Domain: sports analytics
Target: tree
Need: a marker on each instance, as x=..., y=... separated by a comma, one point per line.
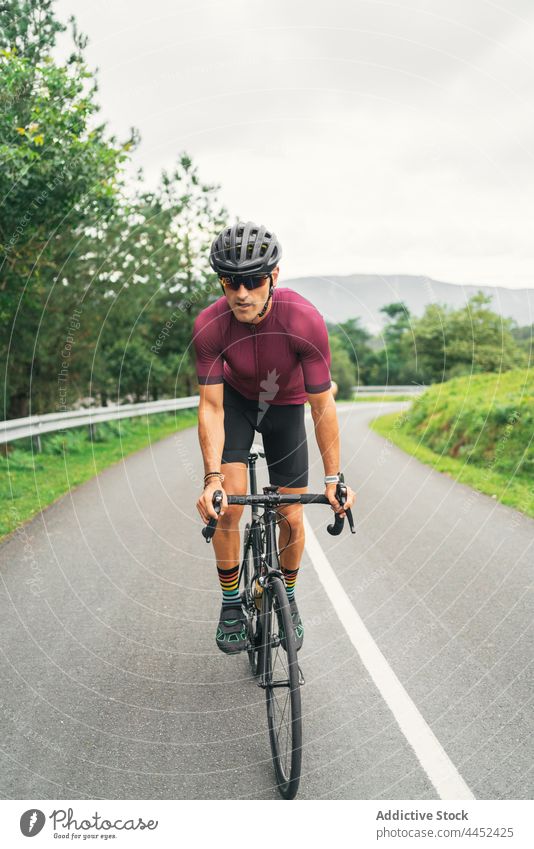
x=470, y=339
x=355, y=341
x=342, y=370
x=395, y=362
x=59, y=175
x=524, y=337
x=100, y=285
x=152, y=279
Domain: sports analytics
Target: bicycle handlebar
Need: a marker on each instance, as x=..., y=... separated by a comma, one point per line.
x=274, y=499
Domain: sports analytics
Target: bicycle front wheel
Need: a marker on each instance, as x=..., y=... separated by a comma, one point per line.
x=249, y=601
x=282, y=687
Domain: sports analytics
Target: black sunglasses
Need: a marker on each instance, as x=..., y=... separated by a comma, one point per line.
x=249, y=282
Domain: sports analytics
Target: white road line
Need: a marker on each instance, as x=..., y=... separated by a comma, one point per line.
x=430, y=753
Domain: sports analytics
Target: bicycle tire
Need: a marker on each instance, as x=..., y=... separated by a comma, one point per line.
x=251, y=611
x=284, y=715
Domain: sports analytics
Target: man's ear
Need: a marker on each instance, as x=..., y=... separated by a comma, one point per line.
x=275, y=273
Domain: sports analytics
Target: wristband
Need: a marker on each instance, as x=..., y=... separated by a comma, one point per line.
x=213, y=475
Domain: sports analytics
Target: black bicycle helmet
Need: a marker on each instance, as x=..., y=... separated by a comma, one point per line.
x=245, y=248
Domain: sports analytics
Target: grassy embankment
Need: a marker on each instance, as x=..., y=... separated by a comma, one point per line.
x=29, y=481
x=478, y=430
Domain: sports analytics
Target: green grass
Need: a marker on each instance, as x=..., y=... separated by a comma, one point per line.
x=30, y=481
x=382, y=398
x=477, y=429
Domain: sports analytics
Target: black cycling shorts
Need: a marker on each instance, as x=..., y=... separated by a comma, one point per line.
x=283, y=431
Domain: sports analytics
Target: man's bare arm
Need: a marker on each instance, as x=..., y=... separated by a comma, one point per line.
x=211, y=425
x=211, y=438
x=324, y=415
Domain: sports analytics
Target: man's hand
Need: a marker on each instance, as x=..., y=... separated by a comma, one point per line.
x=330, y=492
x=205, y=502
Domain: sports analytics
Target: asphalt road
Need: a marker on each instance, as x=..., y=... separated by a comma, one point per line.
x=112, y=686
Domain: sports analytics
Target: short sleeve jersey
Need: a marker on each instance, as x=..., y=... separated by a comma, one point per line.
x=282, y=358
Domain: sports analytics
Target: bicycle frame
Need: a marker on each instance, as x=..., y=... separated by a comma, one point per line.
x=268, y=566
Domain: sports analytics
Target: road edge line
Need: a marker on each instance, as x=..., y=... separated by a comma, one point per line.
x=433, y=758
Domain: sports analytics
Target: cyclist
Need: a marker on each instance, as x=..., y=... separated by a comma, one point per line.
x=261, y=353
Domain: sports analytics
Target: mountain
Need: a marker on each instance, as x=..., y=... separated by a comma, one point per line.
x=340, y=298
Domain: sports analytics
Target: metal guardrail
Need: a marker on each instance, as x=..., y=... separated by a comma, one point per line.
x=413, y=389
x=35, y=426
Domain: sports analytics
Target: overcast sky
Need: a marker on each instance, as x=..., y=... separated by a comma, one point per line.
x=377, y=137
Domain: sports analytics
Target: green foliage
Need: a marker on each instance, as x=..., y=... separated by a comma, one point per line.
x=524, y=338
x=445, y=342
x=473, y=339
x=59, y=176
x=342, y=370
x=514, y=490
x=29, y=27
x=66, y=442
x=99, y=287
x=355, y=341
x=56, y=172
x=394, y=363
x=21, y=460
x=114, y=430
x=486, y=419
x=151, y=280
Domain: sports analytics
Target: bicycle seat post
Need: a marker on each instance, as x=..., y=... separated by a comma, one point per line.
x=255, y=452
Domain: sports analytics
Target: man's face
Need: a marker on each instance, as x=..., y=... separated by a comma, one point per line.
x=247, y=303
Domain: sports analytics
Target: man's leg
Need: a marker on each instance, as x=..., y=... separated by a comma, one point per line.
x=226, y=540
x=238, y=436
x=291, y=546
x=286, y=452
x=291, y=538
x=231, y=635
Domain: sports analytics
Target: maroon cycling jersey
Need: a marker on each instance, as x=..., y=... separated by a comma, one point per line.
x=279, y=360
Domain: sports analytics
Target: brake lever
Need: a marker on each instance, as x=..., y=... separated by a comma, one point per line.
x=339, y=521
x=211, y=527
x=337, y=527
x=348, y=513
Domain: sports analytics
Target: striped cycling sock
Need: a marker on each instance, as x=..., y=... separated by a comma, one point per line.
x=290, y=576
x=228, y=579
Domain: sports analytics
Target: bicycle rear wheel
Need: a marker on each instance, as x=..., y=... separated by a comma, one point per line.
x=282, y=688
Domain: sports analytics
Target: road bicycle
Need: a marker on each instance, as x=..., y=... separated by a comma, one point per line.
x=271, y=645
